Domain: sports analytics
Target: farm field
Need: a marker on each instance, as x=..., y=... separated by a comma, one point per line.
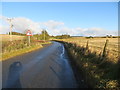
x=97, y=45
x=4, y=37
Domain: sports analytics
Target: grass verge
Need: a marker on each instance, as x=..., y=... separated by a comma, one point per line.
x=11, y=54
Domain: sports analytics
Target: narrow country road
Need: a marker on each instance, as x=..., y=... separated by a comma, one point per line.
x=44, y=68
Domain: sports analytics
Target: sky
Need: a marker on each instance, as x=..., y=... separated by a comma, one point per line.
x=74, y=18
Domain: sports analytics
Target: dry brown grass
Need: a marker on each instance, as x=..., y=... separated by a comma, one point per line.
x=5, y=37
x=97, y=45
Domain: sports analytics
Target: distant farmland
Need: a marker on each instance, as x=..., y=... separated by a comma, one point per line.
x=4, y=37
x=97, y=45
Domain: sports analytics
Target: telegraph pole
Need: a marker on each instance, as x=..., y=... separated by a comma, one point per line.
x=11, y=26
x=44, y=35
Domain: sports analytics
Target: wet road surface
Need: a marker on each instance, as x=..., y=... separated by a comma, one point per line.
x=44, y=68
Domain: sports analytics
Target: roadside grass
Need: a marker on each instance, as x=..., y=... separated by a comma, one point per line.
x=48, y=42
x=24, y=50
x=97, y=59
x=19, y=46
x=19, y=52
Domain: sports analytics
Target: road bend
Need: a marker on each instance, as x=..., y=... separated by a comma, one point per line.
x=44, y=68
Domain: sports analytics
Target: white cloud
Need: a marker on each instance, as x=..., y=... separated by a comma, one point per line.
x=51, y=24
x=53, y=27
x=3, y=29
x=20, y=24
x=93, y=32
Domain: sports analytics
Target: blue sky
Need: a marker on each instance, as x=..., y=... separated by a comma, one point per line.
x=73, y=14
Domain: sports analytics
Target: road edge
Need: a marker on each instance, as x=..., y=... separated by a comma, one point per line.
x=78, y=74
x=21, y=51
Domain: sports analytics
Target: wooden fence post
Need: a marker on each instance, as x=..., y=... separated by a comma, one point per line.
x=104, y=50
x=87, y=44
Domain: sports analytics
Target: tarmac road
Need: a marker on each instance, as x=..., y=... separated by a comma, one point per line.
x=44, y=68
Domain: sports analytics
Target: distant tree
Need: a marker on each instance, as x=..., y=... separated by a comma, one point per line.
x=111, y=36
x=36, y=36
x=17, y=33
x=107, y=36
x=89, y=37
x=62, y=36
x=44, y=35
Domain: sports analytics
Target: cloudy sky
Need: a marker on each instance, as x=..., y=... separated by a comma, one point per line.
x=76, y=19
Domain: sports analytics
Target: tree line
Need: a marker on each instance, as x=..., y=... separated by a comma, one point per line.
x=43, y=36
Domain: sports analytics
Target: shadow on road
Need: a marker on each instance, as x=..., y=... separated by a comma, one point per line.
x=13, y=80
